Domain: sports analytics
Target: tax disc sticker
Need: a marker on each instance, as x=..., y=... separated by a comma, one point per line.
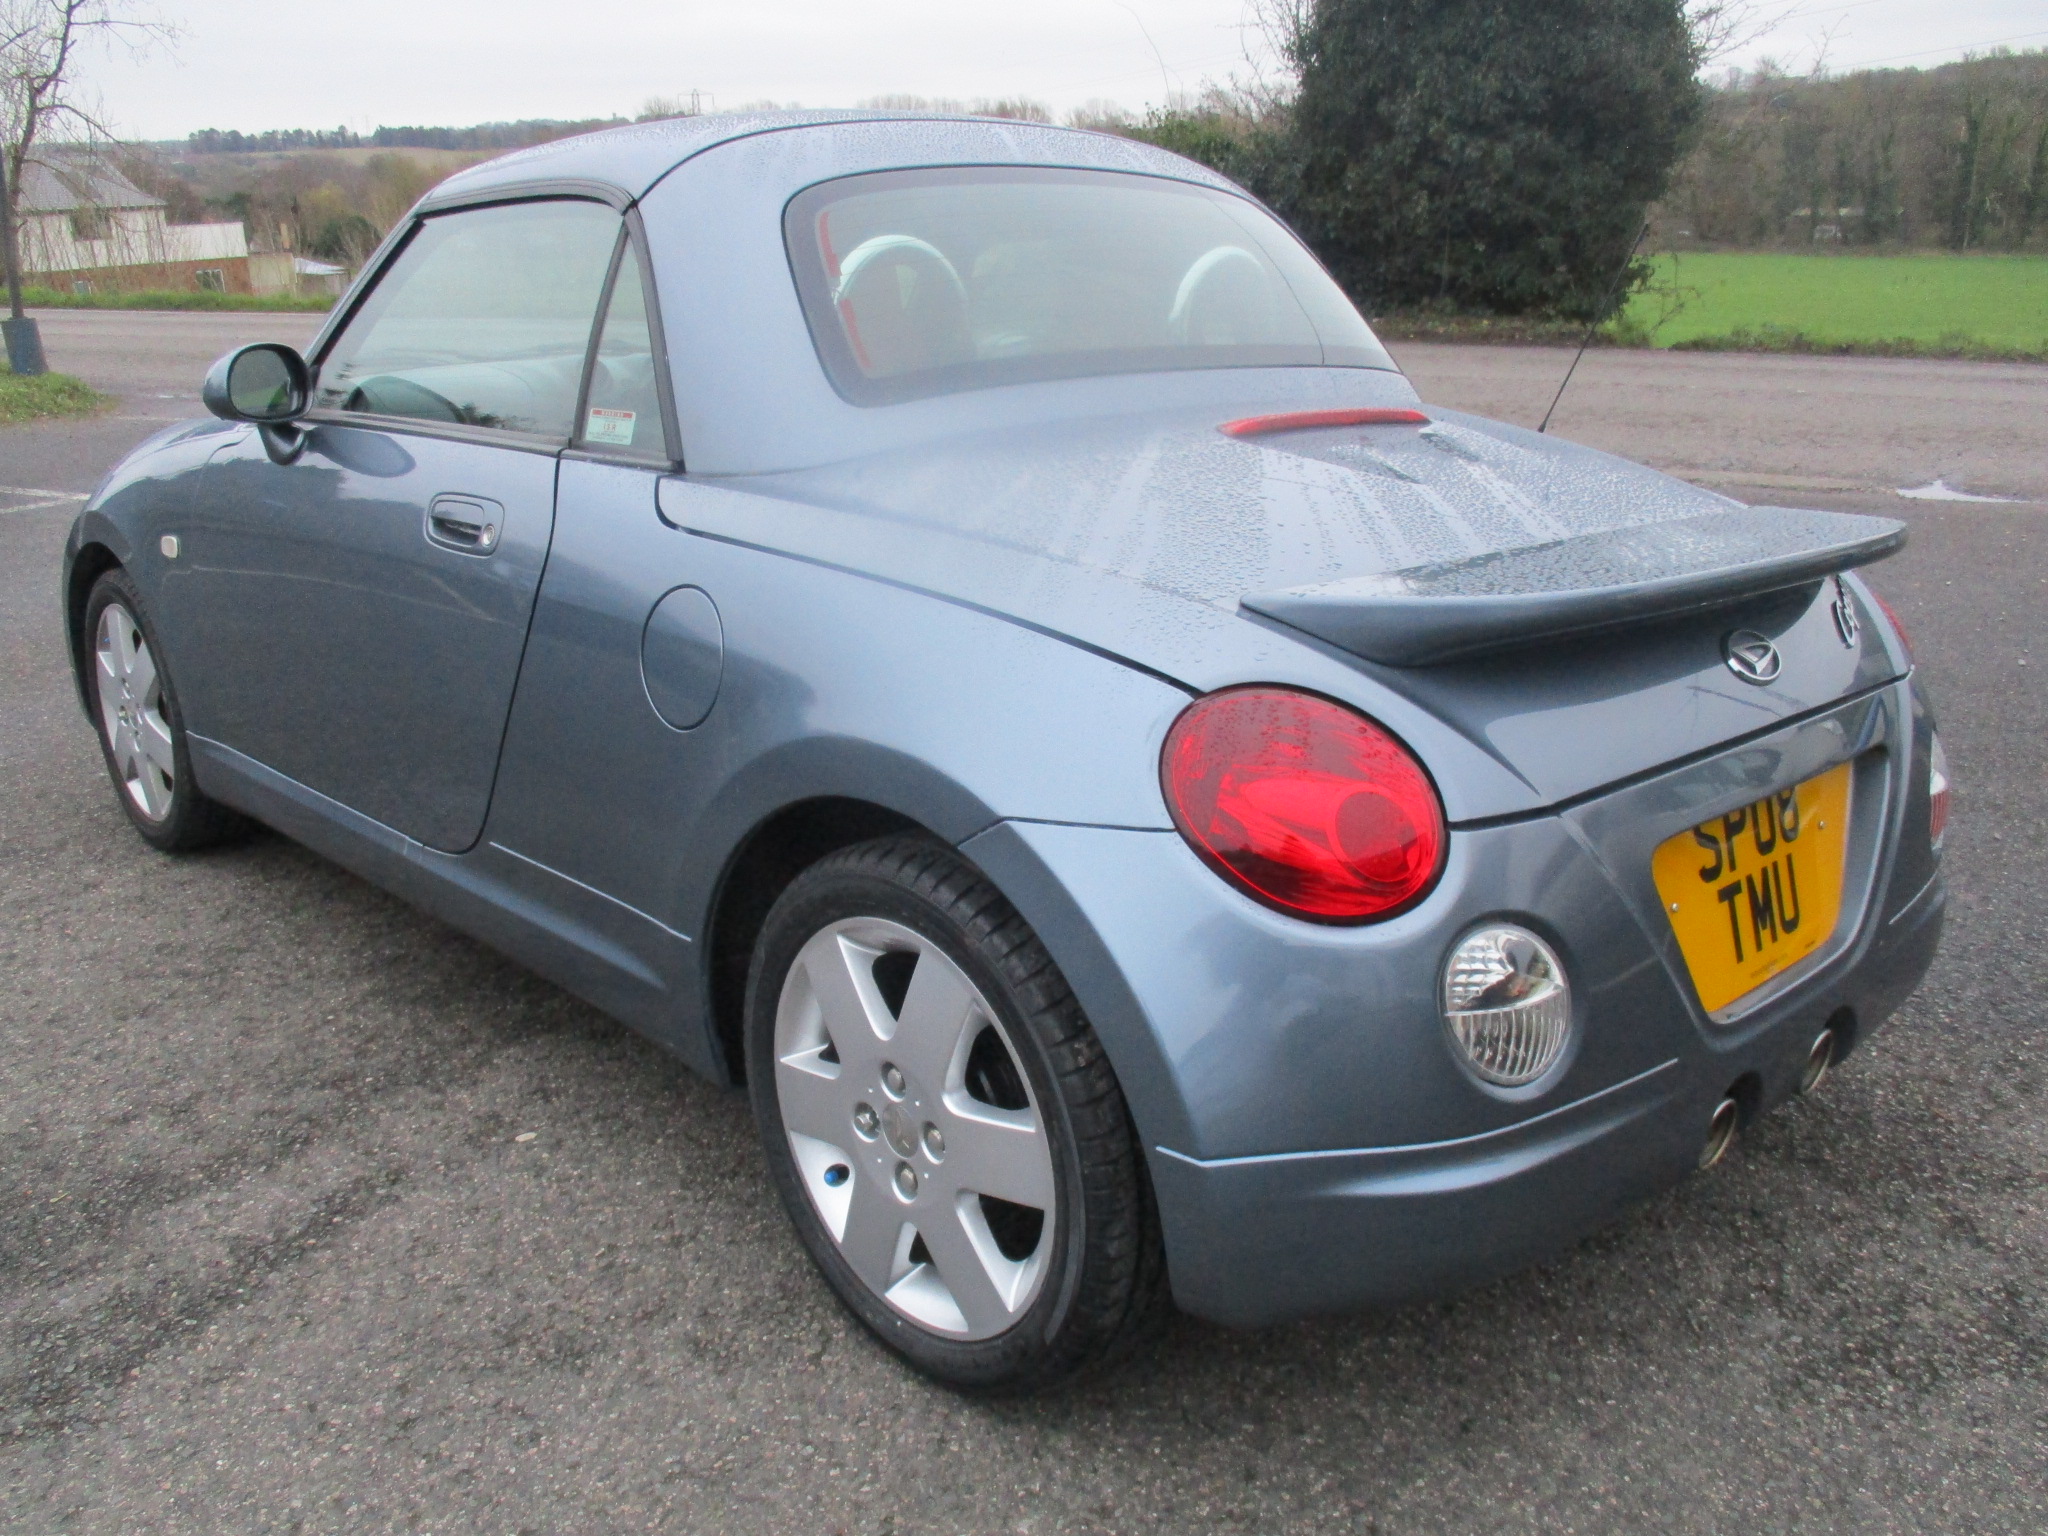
x=614, y=428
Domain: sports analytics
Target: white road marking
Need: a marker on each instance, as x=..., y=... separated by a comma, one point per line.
x=40, y=501
x=1941, y=490
x=1765, y=481
x=24, y=490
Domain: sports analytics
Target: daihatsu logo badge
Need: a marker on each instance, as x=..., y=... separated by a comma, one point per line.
x=1751, y=657
x=1844, y=611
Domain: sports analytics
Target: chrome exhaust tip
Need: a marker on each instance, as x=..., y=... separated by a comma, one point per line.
x=1721, y=1129
x=1820, y=1058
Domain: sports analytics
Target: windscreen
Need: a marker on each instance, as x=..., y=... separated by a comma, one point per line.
x=922, y=283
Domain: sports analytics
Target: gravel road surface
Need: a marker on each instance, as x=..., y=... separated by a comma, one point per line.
x=316, y=1216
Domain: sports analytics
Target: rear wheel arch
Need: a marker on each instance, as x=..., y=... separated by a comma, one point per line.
x=771, y=855
x=783, y=843
x=1152, y=1084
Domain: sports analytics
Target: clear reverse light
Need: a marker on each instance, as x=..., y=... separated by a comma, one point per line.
x=1507, y=1004
x=1937, y=793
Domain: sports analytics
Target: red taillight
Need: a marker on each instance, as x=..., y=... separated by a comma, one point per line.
x=1898, y=628
x=1307, y=806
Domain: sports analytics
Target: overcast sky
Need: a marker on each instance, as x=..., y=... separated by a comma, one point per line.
x=256, y=64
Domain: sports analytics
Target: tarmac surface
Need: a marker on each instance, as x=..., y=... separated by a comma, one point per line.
x=277, y=1254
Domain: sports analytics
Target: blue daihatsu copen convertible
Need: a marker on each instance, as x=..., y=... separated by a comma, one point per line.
x=960, y=627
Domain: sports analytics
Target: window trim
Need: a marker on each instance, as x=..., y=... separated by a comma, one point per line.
x=378, y=268
x=452, y=431
x=434, y=203
x=852, y=384
x=539, y=190
x=633, y=237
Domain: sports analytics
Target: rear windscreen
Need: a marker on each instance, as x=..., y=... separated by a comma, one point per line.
x=922, y=283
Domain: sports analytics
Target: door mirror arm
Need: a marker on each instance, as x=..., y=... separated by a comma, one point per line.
x=283, y=441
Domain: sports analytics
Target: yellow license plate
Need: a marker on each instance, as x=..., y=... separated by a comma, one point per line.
x=1752, y=893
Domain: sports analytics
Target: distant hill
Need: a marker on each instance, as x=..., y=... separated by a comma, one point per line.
x=480, y=136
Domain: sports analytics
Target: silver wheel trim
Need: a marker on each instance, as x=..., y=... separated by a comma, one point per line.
x=856, y=1124
x=131, y=698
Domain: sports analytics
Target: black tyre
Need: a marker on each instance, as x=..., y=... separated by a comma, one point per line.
x=141, y=730
x=943, y=1125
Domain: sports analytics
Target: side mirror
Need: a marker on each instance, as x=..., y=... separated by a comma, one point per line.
x=266, y=383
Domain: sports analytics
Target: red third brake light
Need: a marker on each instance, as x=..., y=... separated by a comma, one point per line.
x=1303, y=804
x=1297, y=421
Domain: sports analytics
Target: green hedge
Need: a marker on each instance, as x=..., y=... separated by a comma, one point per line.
x=1773, y=338
x=166, y=298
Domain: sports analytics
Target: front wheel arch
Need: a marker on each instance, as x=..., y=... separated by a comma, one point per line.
x=92, y=561
x=189, y=820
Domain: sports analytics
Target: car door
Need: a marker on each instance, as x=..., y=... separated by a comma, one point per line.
x=358, y=613
x=624, y=659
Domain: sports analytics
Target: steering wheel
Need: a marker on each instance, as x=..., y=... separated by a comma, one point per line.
x=1225, y=298
x=903, y=306
x=390, y=394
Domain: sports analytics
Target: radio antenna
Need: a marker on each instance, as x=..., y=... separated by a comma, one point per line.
x=1626, y=262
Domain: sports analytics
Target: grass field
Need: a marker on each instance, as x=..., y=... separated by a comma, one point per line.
x=46, y=394
x=1938, y=304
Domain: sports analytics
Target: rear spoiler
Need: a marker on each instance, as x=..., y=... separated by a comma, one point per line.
x=1578, y=586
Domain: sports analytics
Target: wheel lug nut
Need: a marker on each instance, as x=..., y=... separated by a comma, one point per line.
x=934, y=1143
x=892, y=1079
x=906, y=1181
x=866, y=1121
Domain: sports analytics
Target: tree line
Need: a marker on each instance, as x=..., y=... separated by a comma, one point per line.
x=1955, y=157
x=496, y=137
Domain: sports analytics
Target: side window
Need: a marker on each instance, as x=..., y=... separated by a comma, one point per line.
x=483, y=320
x=624, y=408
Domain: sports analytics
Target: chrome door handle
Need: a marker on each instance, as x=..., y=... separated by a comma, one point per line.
x=469, y=524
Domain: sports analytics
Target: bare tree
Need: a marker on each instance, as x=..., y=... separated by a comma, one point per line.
x=1270, y=38
x=1722, y=27
x=41, y=42
x=1280, y=26
x=659, y=108
x=41, y=46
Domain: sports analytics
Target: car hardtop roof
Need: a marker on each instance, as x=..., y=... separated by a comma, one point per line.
x=629, y=160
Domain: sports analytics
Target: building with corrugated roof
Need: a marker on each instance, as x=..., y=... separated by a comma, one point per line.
x=83, y=225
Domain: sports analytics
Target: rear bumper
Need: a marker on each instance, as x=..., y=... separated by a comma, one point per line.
x=1259, y=1240
x=1313, y=1143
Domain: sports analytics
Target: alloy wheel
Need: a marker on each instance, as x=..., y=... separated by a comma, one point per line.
x=131, y=698
x=914, y=1129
